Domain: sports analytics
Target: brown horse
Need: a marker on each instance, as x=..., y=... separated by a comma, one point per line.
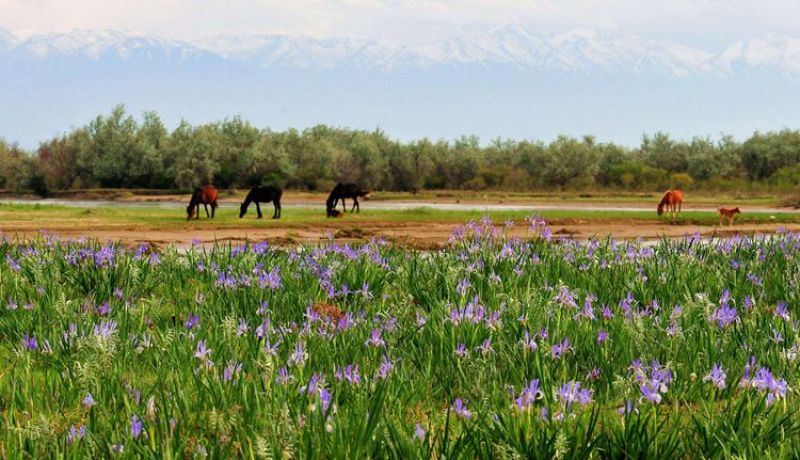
x=205, y=195
x=728, y=213
x=673, y=200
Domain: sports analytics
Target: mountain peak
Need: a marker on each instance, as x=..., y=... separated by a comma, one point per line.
x=575, y=50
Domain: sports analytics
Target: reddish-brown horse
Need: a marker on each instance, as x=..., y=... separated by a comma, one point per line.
x=206, y=195
x=728, y=213
x=673, y=201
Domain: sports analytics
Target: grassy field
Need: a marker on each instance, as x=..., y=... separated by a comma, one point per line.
x=163, y=218
x=492, y=348
x=621, y=197
x=697, y=198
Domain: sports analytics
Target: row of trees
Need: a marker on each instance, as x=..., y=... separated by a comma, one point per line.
x=119, y=151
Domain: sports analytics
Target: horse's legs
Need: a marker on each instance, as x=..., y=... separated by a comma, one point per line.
x=344, y=206
x=213, y=209
x=258, y=209
x=277, y=213
x=197, y=212
x=355, y=203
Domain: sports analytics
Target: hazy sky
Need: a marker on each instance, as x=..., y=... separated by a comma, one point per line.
x=701, y=22
x=763, y=96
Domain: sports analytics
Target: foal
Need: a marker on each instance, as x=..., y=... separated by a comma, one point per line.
x=728, y=213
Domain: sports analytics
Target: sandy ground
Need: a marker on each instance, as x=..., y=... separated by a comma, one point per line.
x=427, y=235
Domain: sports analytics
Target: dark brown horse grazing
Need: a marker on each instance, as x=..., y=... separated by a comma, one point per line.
x=673, y=200
x=263, y=195
x=342, y=191
x=205, y=195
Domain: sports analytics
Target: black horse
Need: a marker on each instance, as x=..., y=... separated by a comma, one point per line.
x=263, y=195
x=342, y=191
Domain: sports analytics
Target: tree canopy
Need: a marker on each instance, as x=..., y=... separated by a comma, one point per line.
x=120, y=151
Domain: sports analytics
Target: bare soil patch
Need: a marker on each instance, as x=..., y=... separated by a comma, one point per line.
x=418, y=235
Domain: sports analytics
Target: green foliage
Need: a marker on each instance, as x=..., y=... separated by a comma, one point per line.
x=120, y=151
x=260, y=371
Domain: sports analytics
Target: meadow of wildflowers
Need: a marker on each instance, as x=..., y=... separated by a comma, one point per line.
x=494, y=347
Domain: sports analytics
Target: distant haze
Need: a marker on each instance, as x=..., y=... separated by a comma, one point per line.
x=502, y=81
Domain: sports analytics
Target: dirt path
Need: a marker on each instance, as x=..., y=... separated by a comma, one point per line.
x=421, y=235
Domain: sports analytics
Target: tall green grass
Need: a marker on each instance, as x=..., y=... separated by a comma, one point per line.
x=475, y=323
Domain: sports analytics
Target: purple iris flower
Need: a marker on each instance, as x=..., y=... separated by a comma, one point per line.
x=136, y=427
x=299, y=355
x=75, y=433
x=104, y=309
x=485, y=347
x=242, y=328
x=560, y=349
x=30, y=342
x=717, y=376
x=602, y=336
x=781, y=311
x=421, y=320
x=202, y=353
x=230, y=371
x=349, y=373
x=419, y=432
x=12, y=264
x=460, y=408
x=375, y=339
x=192, y=322
x=764, y=381
x=724, y=316
x=386, y=367
x=462, y=287
x=325, y=398
x=653, y=385
x=571, y=392
x=529, y=342
x=283, y=377
x=528, y=395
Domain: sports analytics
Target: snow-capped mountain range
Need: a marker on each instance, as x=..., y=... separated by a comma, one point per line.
x=508, y=82
x=577, y=50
